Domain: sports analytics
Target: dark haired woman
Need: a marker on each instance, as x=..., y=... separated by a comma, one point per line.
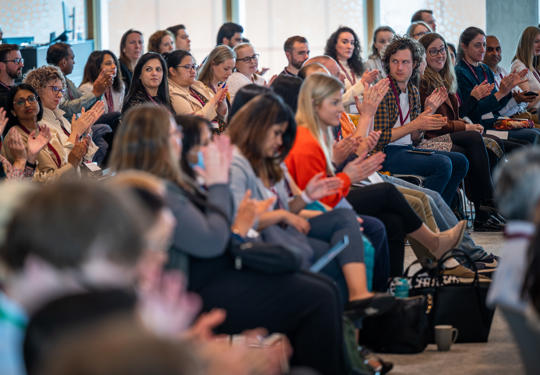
x=131, y=49
x=189, y=96
x=104, y=61
x=149, y=83
x=472, y=72
x=458, y=135
x=296, y=304
x=344, y=47
x=26, y=110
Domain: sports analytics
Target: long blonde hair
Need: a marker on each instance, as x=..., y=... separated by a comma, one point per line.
x=218, y=55
x=525, y=48
x=314, y=90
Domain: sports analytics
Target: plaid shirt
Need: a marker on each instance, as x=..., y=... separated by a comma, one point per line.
x=388, y=112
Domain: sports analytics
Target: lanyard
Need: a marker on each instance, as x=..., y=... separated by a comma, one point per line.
x=473, y=72
x=197, y=96
x=152, y=99
x=6, y=86
x=536, y=75
x=496, y=84
x=62, y=125
x=351, y=80
x=396, y=95
x=57, y=159
x=109, y=100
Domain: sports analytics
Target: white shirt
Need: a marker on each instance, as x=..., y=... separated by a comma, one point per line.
x=512, y=107
x=404, y=103
x=237, y=80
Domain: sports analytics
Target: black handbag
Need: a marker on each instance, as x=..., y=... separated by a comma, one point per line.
x=402, y=330
x=277, y=250
x=461, y=305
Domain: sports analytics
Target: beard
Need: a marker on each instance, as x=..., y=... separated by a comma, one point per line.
x=297, y=64
x=15, y=73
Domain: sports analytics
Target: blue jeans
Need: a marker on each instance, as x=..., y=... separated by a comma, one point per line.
x=444, y=217
x=442, y=171
x=531, y=135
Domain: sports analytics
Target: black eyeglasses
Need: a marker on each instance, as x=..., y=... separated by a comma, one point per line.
x=22, y=101
x=189, y=66
x=18, y=60
x=249, y=58
x=434, y=52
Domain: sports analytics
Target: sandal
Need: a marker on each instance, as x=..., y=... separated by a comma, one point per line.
x=378, y=365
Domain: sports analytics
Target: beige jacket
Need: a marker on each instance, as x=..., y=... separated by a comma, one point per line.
x=47, y=161
x=183, y=103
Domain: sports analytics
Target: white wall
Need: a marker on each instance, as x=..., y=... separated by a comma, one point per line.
x=202, y=19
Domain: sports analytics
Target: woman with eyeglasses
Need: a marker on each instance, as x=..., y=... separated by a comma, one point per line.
x=457, y=135
x=247, y=62
x=149, y=84
x=49, y=161
x=49, y=83
x=189, y=96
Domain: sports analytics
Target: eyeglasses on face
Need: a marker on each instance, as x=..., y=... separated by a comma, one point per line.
x=420, y=34
x=57, y=89
x=189, y=66
x=18, y=60
x=249, y=58
x=22, y=101
x=434, y=52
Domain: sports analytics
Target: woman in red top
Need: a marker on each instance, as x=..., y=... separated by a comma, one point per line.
x=319, y=109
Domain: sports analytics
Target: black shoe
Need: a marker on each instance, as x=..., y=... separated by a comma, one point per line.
x=489, y=225
x=376, y=305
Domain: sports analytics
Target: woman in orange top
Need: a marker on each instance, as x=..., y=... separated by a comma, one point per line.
x=319, y=109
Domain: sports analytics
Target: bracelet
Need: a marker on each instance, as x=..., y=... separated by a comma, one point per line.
x=305, y=197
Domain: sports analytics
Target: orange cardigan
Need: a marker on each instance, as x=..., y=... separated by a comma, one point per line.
x=306, y=159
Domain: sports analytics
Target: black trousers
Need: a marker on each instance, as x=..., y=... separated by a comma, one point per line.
x=478, y=183
x=387, y=204
x=304, y=306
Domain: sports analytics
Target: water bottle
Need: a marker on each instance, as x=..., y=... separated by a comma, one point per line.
x=401, y=289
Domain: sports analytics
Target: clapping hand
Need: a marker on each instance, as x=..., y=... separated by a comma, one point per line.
x=434, y=101
x=3, y=120
x=37, y=141
x=361, y=168
x=343, y=148
x=482, y=90
x=372, y=97
x=248, y=212
x=369, y=77
x=217, y=160
x=320, y=186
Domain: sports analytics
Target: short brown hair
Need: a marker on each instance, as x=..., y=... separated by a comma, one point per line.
x=64, y=222
x=288, y=45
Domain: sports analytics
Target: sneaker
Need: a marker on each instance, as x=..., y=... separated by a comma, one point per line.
x=487, y=265
x=464, y=274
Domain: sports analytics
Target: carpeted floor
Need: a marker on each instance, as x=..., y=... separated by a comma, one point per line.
x=498, y=356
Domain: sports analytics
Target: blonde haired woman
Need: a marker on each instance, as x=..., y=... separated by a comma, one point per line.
x=319, y=110
x=247, y=62
x=527, y=57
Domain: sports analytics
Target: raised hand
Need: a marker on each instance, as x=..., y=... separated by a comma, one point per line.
x=361, y=168
x=369, y=77
x=15, y=144
x=372, y=97
x=217, y=160
x=248, y=212
x=320, y=186
x=77, y=153
x=343, y=148
x=37, y=141
x=434, y=101
x=102, y=83
x=368, y=143
x=165, y=307
x=512, y=80
x=482, y=90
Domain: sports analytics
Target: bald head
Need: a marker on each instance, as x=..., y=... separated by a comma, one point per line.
x=311, y=68
x=492, y=58
x=329, y=63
